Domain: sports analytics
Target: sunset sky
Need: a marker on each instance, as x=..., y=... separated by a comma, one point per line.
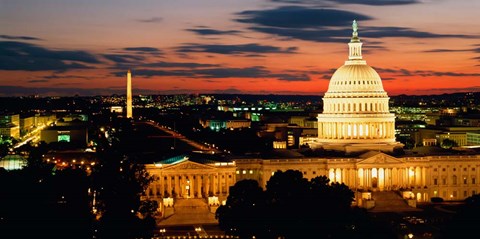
x=85, y=47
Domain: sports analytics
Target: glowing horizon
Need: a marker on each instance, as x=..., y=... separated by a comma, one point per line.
x=248, y=47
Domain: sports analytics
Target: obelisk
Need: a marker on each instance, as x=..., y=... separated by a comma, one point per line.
x=129, y=94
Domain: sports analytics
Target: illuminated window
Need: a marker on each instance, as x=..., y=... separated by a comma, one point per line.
x=251, y=171
x=63, y=138
x=244, y=172
x=237, y=172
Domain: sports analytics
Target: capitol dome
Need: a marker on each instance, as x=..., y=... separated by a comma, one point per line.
x=359, y=78
x=356, y=114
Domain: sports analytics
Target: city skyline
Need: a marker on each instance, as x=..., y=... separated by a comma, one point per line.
x=252, y=47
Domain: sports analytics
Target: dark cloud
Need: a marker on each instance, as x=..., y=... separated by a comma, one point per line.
x=323, y=25
x=38, y=81
x=29, y=57
x=151, y=20
x=423, y=73
x=144, y=50
x=299, y=17
x=26, y=38
x=234, y=49
x=362, y=2
x=446, y=50
x=123, y=58
x=474, y=50
x=132, y=56
x=54, y=77
x=65, y=91
x=343, y=34
x=178, y=64
x=288, y=77
x=209, y=31
x=151, y=73
x=380, y=32
x=448, y=90
x=129, y=62
x=376, y=2
x=220, y=73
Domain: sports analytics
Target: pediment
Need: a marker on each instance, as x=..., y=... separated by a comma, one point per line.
x=381, y=158
x=186, y=165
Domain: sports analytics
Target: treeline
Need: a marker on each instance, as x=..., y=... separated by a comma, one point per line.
x=294, y=207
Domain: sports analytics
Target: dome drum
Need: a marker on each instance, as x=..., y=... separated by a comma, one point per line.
x=361, y=105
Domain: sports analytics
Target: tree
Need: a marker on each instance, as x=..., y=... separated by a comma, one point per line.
x=448, y=144
x=244, y=212
x=290, y=207
x=465, y=222
x=287, y=195
x=119, y=183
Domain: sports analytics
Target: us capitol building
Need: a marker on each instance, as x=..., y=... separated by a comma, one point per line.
x=356, y=121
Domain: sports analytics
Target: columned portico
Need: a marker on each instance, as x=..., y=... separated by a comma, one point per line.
x=188, y=179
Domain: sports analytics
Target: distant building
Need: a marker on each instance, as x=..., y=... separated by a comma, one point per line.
x=27, y=124
x=10, y=125
x=116, y=109
x=473, y=138
x=77, y=135
x=217, y=124
x=13, y=162
x=425, y=136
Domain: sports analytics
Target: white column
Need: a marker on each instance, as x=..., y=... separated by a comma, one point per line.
x=169, y=184
x=162, y=184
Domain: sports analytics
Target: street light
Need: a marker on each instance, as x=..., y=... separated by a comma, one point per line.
x=162, y=231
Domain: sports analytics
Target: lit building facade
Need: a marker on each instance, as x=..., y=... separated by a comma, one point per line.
x=448, y=177
x=185, y=177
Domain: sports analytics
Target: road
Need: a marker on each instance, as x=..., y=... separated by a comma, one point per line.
x=182, y=138
x=33, y=136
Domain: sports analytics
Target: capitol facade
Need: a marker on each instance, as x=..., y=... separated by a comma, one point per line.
x=355, y=121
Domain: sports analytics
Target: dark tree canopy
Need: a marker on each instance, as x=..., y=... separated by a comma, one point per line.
x=466, y=220
x=290, y=207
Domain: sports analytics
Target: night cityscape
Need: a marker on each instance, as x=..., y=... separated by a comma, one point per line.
x=239, y=119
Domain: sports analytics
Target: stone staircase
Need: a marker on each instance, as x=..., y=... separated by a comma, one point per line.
x=190, y=212
x=389, y=201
